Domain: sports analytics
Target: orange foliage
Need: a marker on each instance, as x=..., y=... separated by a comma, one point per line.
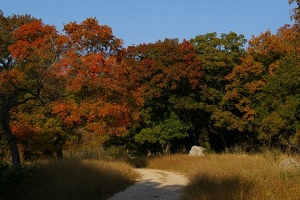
x=90, y=37
x=164, y=66
x=263, y=59
x=34, y=42
x=69, y=112
x=26, y=131
x=103, y=95
x=24, y=128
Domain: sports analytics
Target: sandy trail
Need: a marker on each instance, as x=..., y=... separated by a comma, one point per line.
x=154, y=184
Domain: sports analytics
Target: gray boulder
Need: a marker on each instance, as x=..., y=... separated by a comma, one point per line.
x=289, y=163
x=197, y=151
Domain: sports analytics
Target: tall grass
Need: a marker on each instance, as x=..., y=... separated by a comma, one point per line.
x=72, y=179
x=213, y=177
x=233, y=176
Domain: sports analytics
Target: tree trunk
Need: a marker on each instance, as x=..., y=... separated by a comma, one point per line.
x=166, y=148
x=58, y=145
x=59, y=154
x=11, y=139
x=269, y=142
x=224, y=143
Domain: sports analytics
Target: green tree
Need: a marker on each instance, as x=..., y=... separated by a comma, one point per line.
x=219, y=55
x=168, y=73
x=278, y=117
x=164, y=133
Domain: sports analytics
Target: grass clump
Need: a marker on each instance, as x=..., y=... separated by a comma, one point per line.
x=233, y=176
x=72, y=179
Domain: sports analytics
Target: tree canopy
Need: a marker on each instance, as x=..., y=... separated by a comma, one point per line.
x=60, y=89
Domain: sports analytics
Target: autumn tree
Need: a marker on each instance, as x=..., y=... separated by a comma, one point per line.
x=12, y=90
x=79, y=82
x=254, y=86
x=37, y=49
x=26, y=61
x=278, y=118
x=99, y=98
x=296, y=12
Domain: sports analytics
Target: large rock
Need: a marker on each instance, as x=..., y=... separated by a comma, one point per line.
x=197, y=151
x=289, y=163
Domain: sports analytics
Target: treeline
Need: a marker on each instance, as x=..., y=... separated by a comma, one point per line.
x=83, y=88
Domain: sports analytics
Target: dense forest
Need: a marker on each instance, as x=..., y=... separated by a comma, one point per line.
x=82, y=89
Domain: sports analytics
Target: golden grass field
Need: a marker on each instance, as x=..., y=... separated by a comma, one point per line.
x=72, y=179
x=212, y=177
x=234, y=176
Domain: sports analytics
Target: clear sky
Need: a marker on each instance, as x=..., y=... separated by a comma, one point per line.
x=144, y=21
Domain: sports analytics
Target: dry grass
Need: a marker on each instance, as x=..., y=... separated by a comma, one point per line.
x=233, y=176
x=213, y=177
x=73, y=179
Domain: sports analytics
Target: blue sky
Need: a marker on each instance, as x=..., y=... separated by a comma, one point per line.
x=144, y=21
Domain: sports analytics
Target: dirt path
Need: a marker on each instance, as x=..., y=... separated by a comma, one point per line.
x=154, y=184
